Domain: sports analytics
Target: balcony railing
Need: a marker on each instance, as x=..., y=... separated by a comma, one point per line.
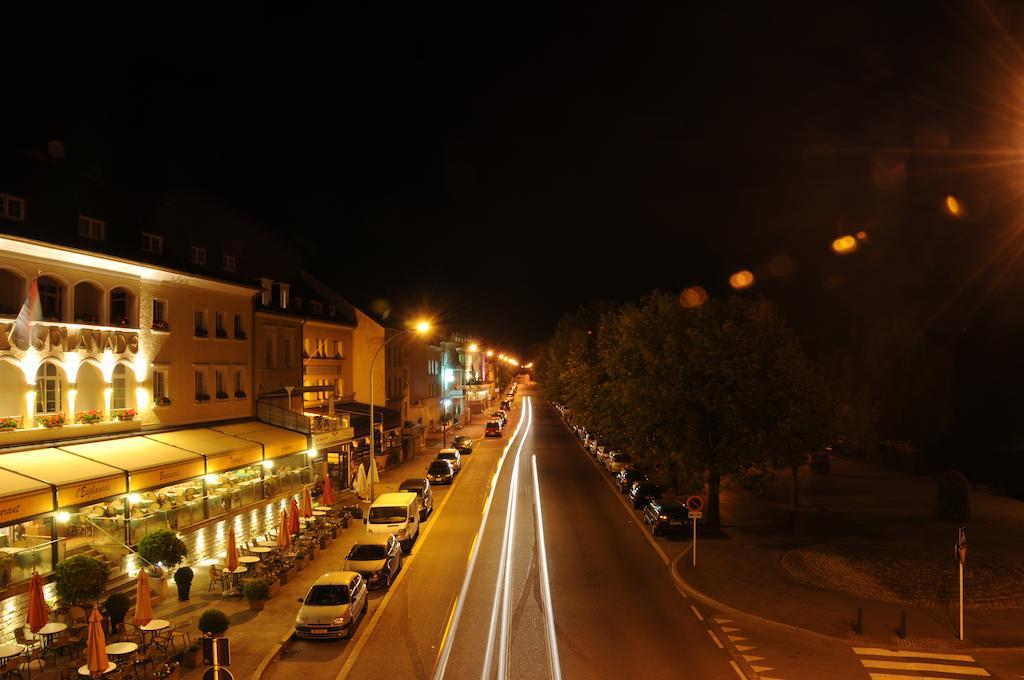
x=17, y=566
x=298, y=422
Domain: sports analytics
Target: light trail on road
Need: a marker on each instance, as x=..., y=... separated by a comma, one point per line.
x=545, y=584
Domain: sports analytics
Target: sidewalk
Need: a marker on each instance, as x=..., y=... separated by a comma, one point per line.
x=864, y=536
x=256, y=635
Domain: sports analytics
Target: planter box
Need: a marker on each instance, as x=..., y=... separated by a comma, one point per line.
x=193, y=659
x=257, y=605
x=284, y=578
x=300, y=564
x=274, y=587
x=292, y=572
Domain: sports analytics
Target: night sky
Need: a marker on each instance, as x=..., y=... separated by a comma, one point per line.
x=500, y=166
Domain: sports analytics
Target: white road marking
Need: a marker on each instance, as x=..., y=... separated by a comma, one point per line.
x=549, y=619
x=718, y=643
x=917, y=666
x=900, y=676
x=736, y=638
x=873, y=651
x=504, y=565
x=696, y=612
x=736, y=668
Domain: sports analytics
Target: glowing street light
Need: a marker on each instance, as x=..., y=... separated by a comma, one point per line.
x=473, y=347
x=490, y=352
x=953, y=206
x=844, y=245
x=742, y=279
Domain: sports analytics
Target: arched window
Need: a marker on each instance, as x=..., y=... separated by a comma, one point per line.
x=51, y=298
x=119, y=383
x=48, y=389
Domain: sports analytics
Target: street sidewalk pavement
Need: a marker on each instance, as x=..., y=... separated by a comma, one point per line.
x=862, y=528
x=255, y=635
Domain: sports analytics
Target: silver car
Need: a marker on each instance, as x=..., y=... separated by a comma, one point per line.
x=332, y=606
x=377, y=558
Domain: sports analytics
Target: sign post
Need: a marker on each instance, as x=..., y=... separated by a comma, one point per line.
x=695, y=504
x=961, y=554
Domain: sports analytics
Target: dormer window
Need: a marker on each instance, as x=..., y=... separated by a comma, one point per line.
x=316, y=307
x=267, y=285
x=284, y=288
x=12, y=207
x=92, y=228
x=198, y=255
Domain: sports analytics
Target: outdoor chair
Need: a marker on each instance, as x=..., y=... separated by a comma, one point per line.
x=62, y=644
x=182, y=630
x=142, y=665
x=32, y=662
x=132, y=632
x=77, y=619
x=162, y=641
x=22, y=638
x=12, y=668
x=216, y=576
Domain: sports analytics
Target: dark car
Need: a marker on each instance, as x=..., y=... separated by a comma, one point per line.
x=493, y=428
x=440, y=472
x=506, y=405
x=421, y=487
x=642, y=493
x=624, y=480
x=666, y=515
x=463, y=444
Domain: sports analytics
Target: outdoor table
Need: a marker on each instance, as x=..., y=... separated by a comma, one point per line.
x=153, y=627
x=261, y=550
x=247, y=559
x=84, y=670
x=121, y=648
x=11, y=551
x=322, y=508
x=49, y=630
x=8, y=652
x=235, y=573
x=319, y=513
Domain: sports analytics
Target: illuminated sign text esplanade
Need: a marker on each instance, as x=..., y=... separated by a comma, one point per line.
x=57, y=338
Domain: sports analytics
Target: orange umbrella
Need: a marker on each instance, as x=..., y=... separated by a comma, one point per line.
x=96, y=645
x=143, y=603
x=37, y=616
x=231, y=561
x=293, y=519
x=328, y=496
x=284, y=539
x=307, y=503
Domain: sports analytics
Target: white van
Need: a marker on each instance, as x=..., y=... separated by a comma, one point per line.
x=395, y=513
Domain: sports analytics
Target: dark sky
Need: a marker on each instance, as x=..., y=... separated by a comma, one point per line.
x=500, y=165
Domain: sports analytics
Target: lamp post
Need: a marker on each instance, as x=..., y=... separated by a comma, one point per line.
x=421, y=327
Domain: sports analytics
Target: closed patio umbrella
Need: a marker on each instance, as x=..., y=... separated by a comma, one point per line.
x=328, y=496
x=293, y=517
x=96, y=646
x=143, y=602
x=231, y=561
x=284, y=537
x=307, y=503
x=373, y=470
x=359, y=484
x=37, y=615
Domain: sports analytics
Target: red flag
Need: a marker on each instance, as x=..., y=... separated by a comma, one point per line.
x=31, y=311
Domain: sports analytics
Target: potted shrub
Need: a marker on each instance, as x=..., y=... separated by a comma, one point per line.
x=183, y=579
x=80, y=580
x=213, y=623
x=193, y=656
x=323, y=541
x=239, y=394
x=257, y=592
x=221, y=396
x=165, y=550
x=300, y=560
x=117, y=605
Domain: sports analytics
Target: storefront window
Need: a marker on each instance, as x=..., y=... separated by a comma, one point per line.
x=26, y=547
x=104, y=520
x=235, y=489
x=287, y=474
x=172, y=507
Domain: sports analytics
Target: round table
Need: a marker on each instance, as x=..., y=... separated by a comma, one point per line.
x=248, y=559
x=10, y=651
x=153, y=626
x=84, y=670
x=261, y=550
x=49, y=630
x=121, y=648
x=235, y=573
x=319, y=513
x=322, y=508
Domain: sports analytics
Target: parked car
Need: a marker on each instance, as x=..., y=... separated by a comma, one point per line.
x=332, y=606
x=421, y=487
x=395, y=513
x=452, y=456
x=493, y=428
x=602, y=453
x=463, y=444
x=617, y=461
x=642, y=493
x=440, y=472
x=500, y=415
x=506, y=405
x=624, y=480
x=666, y=515
x=377, y=558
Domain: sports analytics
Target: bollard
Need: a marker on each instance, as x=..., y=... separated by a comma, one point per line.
x=902, y=632
x=859, y=627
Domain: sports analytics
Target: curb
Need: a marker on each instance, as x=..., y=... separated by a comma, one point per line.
x=272, y=656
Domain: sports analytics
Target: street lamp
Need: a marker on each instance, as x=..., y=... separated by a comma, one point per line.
x=421, y=328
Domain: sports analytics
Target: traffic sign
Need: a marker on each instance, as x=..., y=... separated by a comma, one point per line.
x=216, y=651
x=218, y=673
x=961, y=545
x=695, y=514
x=695, y=503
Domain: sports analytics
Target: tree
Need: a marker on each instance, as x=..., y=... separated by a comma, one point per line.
x=163, y=548
x=80, y=579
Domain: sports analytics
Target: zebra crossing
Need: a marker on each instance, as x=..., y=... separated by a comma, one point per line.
x=747, y=651
x=903, y=664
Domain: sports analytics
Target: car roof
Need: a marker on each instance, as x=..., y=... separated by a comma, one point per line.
x=441, y=461
x=670, y=504
x=398, y=498
x=447, y=451
x=337, y=578
x=493, y=422
x=372, y=539
x=413, y=483
x=462, y=436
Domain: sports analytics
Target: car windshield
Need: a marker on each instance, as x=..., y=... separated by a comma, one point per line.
x=438, y=468
x=367, y=552
x=493, y=423
x=386, y=515
x=446, y=456
x=418, y=490
x=461, y=440
x=327, y=596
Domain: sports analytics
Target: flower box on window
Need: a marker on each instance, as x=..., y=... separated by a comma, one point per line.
x=161, y=326
x=10, y=423
x=89, y=417
x=121, y=321
x=87, y=318
x=222, y=395
x=51, y=420
x=202, y=333
x=222, y=334
x=239, y=394
x=125, y=414
x=239, y=335
x=162, y=401
x=202, y=397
